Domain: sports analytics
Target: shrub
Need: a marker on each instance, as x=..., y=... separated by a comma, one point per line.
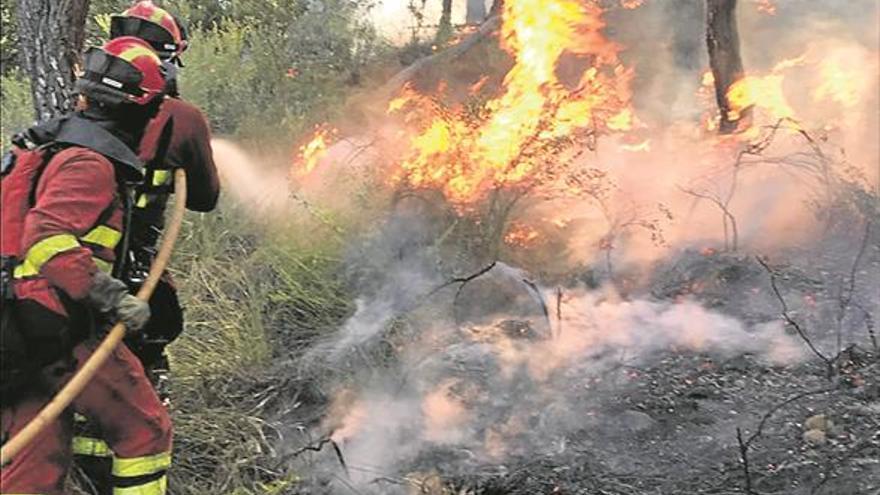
x=16, y=110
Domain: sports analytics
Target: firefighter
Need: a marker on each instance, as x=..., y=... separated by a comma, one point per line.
x=190, y=148
x=73, y=208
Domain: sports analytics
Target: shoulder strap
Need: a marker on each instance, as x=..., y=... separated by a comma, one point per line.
x=49, y=151
x=120, y=266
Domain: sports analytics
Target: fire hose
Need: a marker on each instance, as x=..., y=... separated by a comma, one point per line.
x=78, y=382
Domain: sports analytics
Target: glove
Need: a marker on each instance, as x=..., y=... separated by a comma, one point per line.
x=110, y=297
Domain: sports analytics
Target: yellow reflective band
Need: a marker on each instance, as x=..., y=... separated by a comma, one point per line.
x=92, y=447
x=42, y=252
x=142, y=201
x=161, y=177
x=104, y=266
x=158, y=15
x=137, y=51
x=155, y=487
x=103, y=236
x=141, y=466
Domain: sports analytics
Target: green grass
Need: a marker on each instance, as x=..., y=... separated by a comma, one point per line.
x=16, y=112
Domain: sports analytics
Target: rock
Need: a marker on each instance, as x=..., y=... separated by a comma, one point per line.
x=819, y=422
x=738, y=363
x=815, y=437
x=635, y=421
x=700, y=393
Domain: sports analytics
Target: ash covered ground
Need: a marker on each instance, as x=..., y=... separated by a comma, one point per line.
x=493, y=382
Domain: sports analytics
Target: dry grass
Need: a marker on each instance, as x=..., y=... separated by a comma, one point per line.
x=249, y=301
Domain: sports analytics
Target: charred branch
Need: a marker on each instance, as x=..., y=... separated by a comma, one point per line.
x=846, y=292
x=745, y=445
x=731, y=231
x=318, y=446
x=453, y=52
x=744, y=460
x=828, y=361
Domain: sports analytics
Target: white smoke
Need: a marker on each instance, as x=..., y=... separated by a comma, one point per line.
x=489, y=390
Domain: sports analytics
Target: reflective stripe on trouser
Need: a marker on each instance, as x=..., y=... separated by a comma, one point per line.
x=135, y=425
x=141, y=475
x=155, y=487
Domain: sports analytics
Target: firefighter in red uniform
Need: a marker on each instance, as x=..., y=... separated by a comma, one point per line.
x=190, y=149
x=62, y=287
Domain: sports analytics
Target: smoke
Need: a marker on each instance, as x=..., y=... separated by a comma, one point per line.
x=501, y=367
x=261, y=189
x=456, y=395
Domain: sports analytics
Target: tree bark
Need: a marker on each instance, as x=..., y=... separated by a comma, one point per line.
x=51, y=34
x=444, y=29
x=722, y=40
x=476, y=12
x=497, y=7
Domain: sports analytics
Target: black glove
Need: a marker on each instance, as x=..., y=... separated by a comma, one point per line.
x=110, y=297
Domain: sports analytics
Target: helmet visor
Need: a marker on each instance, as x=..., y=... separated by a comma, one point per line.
x=112, y=73
x=157, y=36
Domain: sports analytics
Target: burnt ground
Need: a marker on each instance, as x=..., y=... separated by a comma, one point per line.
x=672, y=429
x=681, y=422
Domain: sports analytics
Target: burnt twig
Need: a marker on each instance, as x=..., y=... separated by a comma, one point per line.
x=846, y=292
x=745, y=445
x=829, y=362
x=744, y=458
x=319, y=446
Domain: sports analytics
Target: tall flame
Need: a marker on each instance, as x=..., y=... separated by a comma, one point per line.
x=464, y=158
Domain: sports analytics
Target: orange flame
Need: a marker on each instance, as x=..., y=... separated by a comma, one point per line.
x=465, y=159
x=311, y=153
x=759, y=91
x=764, y=92
x=521, y=235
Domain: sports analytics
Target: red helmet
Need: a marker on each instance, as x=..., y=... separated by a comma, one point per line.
x=152, y=24
x=124, y=70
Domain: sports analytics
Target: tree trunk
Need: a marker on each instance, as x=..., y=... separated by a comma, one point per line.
x=51, y=34
x=476, y=11
x=497, y=7
x=444, y=29
x=722, y=39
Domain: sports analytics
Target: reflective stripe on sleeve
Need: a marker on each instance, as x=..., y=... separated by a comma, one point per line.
x=42, y=252
x=103, y=235
x=161, y=177
x=141, y=466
